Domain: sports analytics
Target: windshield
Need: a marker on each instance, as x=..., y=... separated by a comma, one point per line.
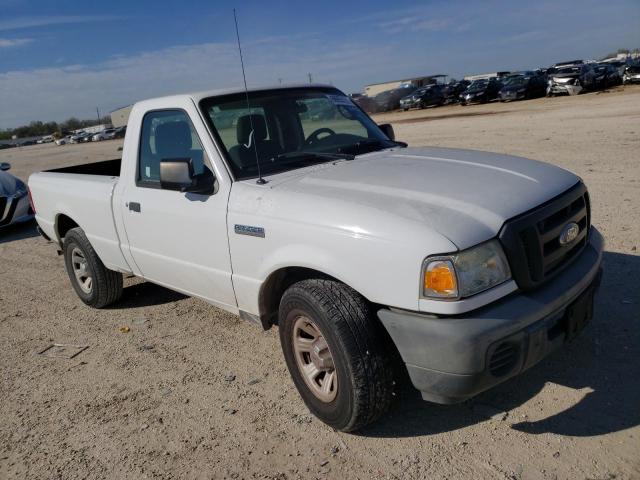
x=516, y=81
x=290, y=128
x=478, y=85
x=568, y=70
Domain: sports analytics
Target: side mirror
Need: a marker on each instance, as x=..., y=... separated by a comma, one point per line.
x=178, y=174
x=387, y=129
x=4, y=166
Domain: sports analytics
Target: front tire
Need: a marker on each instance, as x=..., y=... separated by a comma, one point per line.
x=336, y=352
x=95, y=284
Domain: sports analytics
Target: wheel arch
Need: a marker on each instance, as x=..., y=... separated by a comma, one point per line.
x=63, y=224
x=276, y=284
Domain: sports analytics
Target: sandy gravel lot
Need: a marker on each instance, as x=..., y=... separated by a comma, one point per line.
x=192, y=392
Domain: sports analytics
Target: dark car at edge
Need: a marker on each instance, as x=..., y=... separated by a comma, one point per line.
x=427, y=96
x=481, y=91
x=523, y=86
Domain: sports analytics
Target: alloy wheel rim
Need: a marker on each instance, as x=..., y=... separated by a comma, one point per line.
x=81, y=270
x=314, y=359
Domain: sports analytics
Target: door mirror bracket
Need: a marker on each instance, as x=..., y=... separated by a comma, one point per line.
x=387, y=129
x=178, y=174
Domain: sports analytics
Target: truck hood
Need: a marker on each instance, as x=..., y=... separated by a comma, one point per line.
x=464, y=195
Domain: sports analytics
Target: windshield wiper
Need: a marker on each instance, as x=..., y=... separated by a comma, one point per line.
x=311, y=156
x=370, y=145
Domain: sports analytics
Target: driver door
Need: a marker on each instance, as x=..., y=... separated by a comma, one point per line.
x=176, y=239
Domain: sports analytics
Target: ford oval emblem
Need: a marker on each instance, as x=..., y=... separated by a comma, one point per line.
x=569, y=233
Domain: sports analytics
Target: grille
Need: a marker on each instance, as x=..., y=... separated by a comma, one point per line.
x=503, y=359
x=532, y=240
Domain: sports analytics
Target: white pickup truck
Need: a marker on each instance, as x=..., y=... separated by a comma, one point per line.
x=299, y=211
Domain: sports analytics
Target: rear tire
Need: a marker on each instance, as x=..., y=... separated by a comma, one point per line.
x=355, y=343
x=95, y=284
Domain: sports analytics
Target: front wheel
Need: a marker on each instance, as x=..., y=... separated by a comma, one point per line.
x=336, y=352
x=95, y=284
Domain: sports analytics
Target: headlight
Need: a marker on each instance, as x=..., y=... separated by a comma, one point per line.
x=465, y=273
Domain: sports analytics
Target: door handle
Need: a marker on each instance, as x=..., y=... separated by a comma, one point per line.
x=134, y=207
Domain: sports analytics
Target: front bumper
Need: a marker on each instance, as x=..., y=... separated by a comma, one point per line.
x=564, y=88
x=451, y=359
x=511, y=95
x=473, y=99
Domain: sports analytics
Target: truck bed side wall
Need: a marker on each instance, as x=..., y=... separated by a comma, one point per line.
x=110, y=168
x=85, y=199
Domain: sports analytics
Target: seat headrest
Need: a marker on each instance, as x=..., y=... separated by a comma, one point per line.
x=243, y=128
x=173, y=140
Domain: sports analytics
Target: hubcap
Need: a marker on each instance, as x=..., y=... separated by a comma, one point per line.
x=81, y=270
x=314, y=359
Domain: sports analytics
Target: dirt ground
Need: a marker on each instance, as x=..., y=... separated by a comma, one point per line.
x=193, y=392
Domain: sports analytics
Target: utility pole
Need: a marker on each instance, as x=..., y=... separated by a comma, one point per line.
x=310, y=77
x=98, y=112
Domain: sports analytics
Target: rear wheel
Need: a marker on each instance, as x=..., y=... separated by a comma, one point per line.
x=95, y=284
x=336, y=353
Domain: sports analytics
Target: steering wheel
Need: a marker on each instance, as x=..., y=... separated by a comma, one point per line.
x=314, y=137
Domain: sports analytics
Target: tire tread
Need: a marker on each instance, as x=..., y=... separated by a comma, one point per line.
x=107, y=283
x=363, y=338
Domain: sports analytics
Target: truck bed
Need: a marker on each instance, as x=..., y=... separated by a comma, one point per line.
x=109, y=168
x=83, y=194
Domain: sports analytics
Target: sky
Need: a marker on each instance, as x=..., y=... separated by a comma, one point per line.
x=67, y=58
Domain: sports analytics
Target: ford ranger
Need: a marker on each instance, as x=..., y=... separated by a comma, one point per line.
x=289, y=206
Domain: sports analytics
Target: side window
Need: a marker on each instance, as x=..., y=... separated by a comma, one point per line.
x=166, y=134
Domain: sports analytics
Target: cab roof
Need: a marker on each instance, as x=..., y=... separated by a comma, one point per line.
x=197, y=96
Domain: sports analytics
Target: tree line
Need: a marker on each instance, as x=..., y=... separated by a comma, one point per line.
x=39, y=129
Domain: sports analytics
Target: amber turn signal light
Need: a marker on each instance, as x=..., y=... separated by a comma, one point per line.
x=440, y=279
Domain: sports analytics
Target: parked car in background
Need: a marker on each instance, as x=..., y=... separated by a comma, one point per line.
x=120, y=132
x=45, y=139
x=631, y=74
x=454, y=89
x=606, y=75
x=523, y=86
x=14, y=198
x=106, y=134
x=571, y=79
x=428, y=96
x=620, y=65
x=64, y=140
x=366, y=103
x=390, y=99
x=76, y=137
x=481, y=91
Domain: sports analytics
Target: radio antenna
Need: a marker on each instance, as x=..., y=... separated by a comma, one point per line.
x=252, y=135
